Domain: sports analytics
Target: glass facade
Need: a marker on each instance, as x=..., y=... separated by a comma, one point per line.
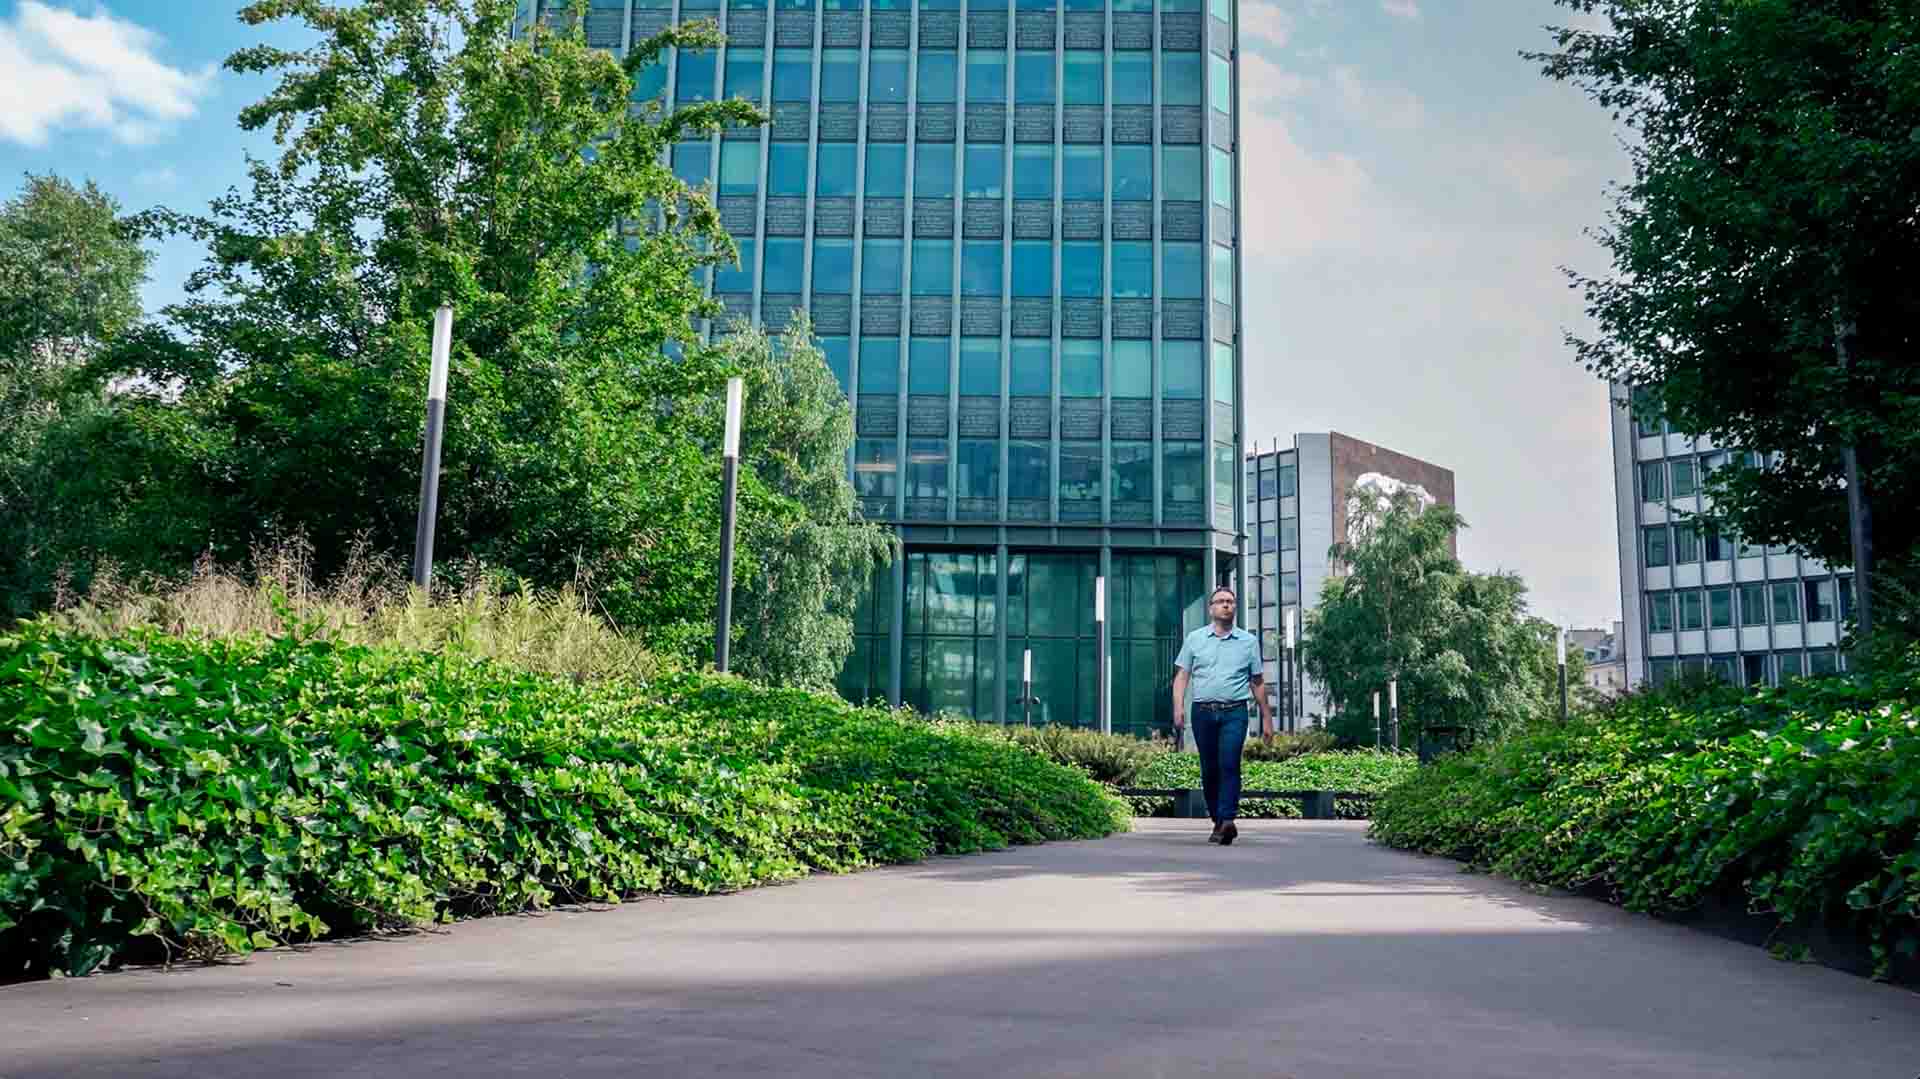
x=1272, y=486
x=1014, y=229
x=1708, y=603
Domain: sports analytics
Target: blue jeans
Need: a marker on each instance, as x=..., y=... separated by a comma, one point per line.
x=1220, y=736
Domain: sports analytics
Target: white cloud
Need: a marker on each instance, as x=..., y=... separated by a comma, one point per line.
x=66, y=70
x=164, y=176
x=1401, y=9
x=1265, y=24
x=1379, y=104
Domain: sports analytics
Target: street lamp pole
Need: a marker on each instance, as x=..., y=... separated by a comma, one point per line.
x=1376, y=719
x=1100, y=642
x=430, y=454
x=1393, y=705
x=729, y=479
x=1563, y=675
x=1026, y=686
x=1286, y=660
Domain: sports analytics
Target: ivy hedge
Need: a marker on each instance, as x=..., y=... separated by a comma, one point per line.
x=1360, y=771
x=163, y=796
x=1801, y=804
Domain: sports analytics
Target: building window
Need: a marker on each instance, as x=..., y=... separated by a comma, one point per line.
x=980, y=366
x=928, y=361
x=927, y=468
x=1719, y=548
x=838, y=354
x=880, y=365
x=1183, y=370
x=886, y=170
x=1086, y=78
x=880, y=267
x=1132, y=368
x=1755, y=669
x=1222, y=178
x=876, y=467
x=736, y=278
x=833, y=174
x=1288, y=480
x=1786, y=602
x=1132, y=269
x=1684, y=479
x=1183, y=271
x=1654, y=542
x=980, y=263
x=1720, y=608
x=832, y=265
x=786, y=265
x=739, y=168
x=1223, y=381
x=696, y=76
x=933, y=170
x=1080, y=269
x=1083, y=173
x=1821, y=601
x=1132, y=78
x=1183, y=470
x=1132, y=173
x=649, y=83
x=1223, y=275
x=978, y=463
x=1222, y=474
x=1653, y=481
x=1691, y=614
x=1033, y=172
x=1133, y=472
x=1181, y=174
x=1080, y=369
x=1289, y=533
x=986, y=168
x=987, y=75
x=744, y=70
x=939, y=77
x=1846, y=598
x=839, y=74
x=1033, y=77
x=932, y=267
x=1790, y=665
x=693, y=163
x=786, y=168
x=1686, y=543
x=1822, y=662
x=1753, y=604
x=1079, y=472
x=1029, y=471
x=887, y=75
x=1181, y=78
x=1032, y=268
x=792, y=74
x=1660, y=612
x=1219, y=83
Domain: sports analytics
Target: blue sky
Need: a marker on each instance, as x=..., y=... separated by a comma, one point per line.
x=1411, y=187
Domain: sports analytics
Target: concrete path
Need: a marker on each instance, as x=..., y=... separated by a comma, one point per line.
x=1300, y=951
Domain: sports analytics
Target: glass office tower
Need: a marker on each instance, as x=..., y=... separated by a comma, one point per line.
x=1014, y=226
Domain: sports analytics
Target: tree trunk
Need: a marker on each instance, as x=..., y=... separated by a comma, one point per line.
x=1859, y=505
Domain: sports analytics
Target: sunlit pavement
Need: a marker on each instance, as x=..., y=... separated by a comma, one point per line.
x=1300, y=951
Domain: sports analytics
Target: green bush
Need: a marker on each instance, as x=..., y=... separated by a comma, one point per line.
x=1113, y=759
x=1801, y=802
x=1288, y=746
x=165, y=796
x=1361, y=772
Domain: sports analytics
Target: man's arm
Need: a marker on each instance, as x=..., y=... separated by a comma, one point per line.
x=1258, y=683
x=1179, y=697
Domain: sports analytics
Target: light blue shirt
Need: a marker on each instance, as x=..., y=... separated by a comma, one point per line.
x=1219, y=668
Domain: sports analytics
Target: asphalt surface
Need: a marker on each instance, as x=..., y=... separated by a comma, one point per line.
x=1302, y=951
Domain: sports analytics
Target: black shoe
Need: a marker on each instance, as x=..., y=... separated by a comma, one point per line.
x=1215, y=837
x=1227, y=832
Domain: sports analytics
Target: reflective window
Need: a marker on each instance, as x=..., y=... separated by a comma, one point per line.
x=1029, y=471
x=1133, y=78
x=840, y=75
x=876, y=467
x=1692, y=612
x=1786, y=601
x=1033, y=172
x=1686, y=543
x=1083, y=172
x=1080, y=269
x=1654, y=544
x=1223, y=380
x=1183, y=370
x=1183, y=471
x=1032, y=268
x=927, y=468
x=1222, y=9
x=977, y=474
x=1085, y=77
x=745, y=69
x=1653, y=481
x=1080, y=472
x=987, y=75
x=939, y=76
x=1132, y=173
x=980, y=262
x=1660, y=612
x=838, y=352
x=786, y=264
x=1821, y=600
x=1133, y=369
x=932, y=267
x=693, y=162
x=1720, y=608
x=1753, y=604
x=1183, y=271
x=886, y=170
x=1033, y=77
x=880, y=266
x=793, y=74
x=980, y=366
x=739, y=168
x=736, y=279
x=649, y=82
x=1223, y=471
x=1685, y=483
x=1030, y=368
x=1080, y=369
x=1219, y=82
x=1180, y=173
x=1222, y=177
x=928, y=366
x=786, y=168
x=834, y=171
x=832, y=265
x=933, y=170
x=1133, y=268
x=1132, y=472
x=696, y=76
x=880, y=365
x=887, y=75
x=986, y=171
x=1180, y=78
x=1222, y=274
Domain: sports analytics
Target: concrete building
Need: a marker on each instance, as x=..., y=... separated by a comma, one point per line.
x=1296, y=511
x=1606, y=666
x=1695, y=601
x=1016, y=232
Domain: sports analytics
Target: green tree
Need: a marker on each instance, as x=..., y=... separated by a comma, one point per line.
x=1461, y=645
x=1766, y=256
x=70, y=274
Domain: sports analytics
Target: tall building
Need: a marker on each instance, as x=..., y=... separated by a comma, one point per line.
x=1015, y=230
x=1694, y=601
x=1296, y=511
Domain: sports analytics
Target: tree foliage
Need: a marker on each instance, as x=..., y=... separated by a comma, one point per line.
x=1461, y=645
x=1770, y=223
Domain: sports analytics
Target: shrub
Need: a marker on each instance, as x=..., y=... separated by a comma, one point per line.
x=1801, y=802
x=1361, y=772
x=168, y=795
x=1113, y=759
x=1288, y=746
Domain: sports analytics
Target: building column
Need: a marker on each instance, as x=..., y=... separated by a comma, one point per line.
x=896, y=642
x=1002, y=565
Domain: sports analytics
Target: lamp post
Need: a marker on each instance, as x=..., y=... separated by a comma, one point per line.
x=1026, y=686
x=1376, y=719
x=430, y=454
x=1286, y=663
x=1100, y=642
x=1393, y=708
x=729, y=478
x=1563, y=675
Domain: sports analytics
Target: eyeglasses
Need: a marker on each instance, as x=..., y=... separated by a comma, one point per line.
x=1218, y=602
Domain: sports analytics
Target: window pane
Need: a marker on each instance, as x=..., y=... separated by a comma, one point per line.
x=696, y=76
x=1819, y=601
x=1653, y=481
x=1683, y=477
x=840, y=75
x=792, y=74
x=1033, y=172
x=1086, y=78
x=1720, y=608
x=887, y=75
x=980, y=366
x=880, y=267
x=1686, y=543
x=1030, y=368
x=1133, y=78
x=1080, y=369
x=1183, y=271
x=978, y=464
x=1786, y=602
x=1032, y=268
x=886, y=170
x=1083, y=173
x=1079, y=471
x=1219, y=83
x=987, y=75
x=739, y=168
x=1132, y=173
x=1133, y=369
x=932, y=170
x=731, y=279
x=1033, y=77
x=1080, y=269
x=1753, y=605
x=1180, y=173
x=1223, y=380
x=1691, y=616
x=980, y=268
x=838, y=352
x=786, y=265
x=786, y=168
x=939, y=76
x=1222, y=177
x=1133, y=472
x=1222, y=275
x=1223, y=471
x=832, y=265
x=1132, y=269
x=1180, y=78
x=985, y=172
x=649, y=82
x=1029, y=471
x=1184, y=370
x=880, y=365
x=693, y=163
x=932, y=267
x=1660, y=612
x=928, y=366
x=1183, y=471
x=927, y=468
x=744, y=70
x=834, y=172
x=876, y=466
x=1656, y=546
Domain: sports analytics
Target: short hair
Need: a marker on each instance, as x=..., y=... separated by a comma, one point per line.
x=1220, y=589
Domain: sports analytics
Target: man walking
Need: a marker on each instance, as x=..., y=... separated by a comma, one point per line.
x=1220, y=662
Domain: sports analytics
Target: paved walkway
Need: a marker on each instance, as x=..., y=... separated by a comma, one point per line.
x=1300, y=951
